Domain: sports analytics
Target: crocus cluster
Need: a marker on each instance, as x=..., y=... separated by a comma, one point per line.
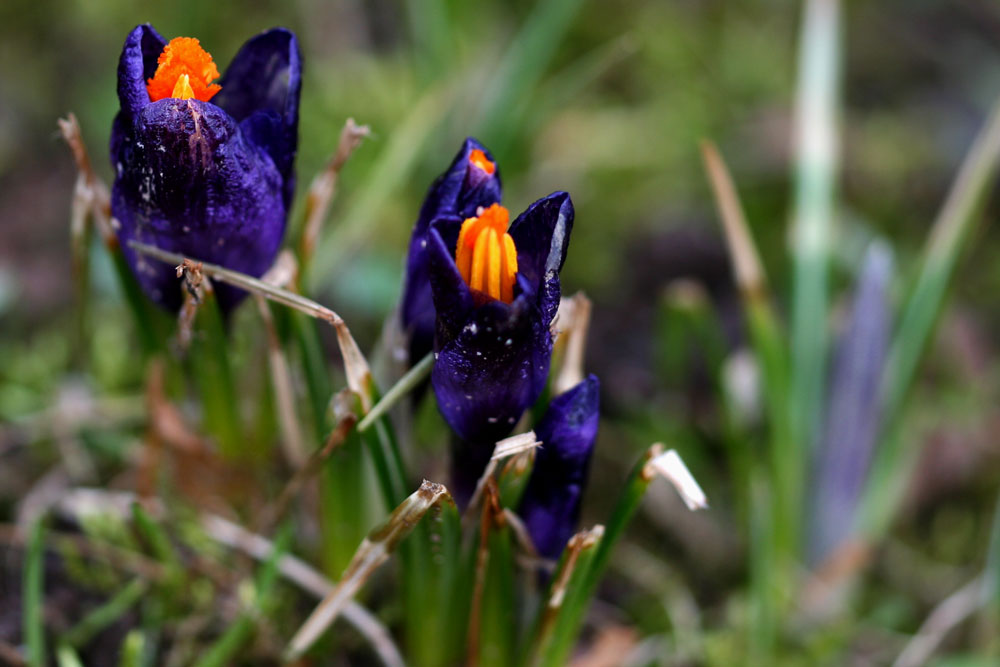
x=204, y=169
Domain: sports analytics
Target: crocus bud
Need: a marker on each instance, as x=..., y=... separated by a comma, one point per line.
x=472, y=181
x=550, y=506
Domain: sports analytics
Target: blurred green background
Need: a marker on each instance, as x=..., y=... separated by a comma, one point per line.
x=607, y=101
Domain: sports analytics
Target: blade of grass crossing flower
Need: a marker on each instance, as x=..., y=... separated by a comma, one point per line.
x=33, y=592
x=816, y=163
x=404, y=385
x=951, y=230
x=356, y=367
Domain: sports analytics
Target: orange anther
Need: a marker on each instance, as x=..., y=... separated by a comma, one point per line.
x=479, y=159
x=485, y=254
x=183, y=58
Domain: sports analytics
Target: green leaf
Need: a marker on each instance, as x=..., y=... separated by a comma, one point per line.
x=33, y=590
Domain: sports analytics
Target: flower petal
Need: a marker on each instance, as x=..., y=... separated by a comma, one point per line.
x=261, y=89
x=190, y=182
x=137, y=64
x=492, y=364
x=550, y=506
x=541, y=235
x=452, y=299
x=455, y=195
x=461, y=189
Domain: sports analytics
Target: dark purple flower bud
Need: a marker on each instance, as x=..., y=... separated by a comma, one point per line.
x=550, y=506
x=493, y=343
x=854, y=412
x=472, y=181
x=213, y=179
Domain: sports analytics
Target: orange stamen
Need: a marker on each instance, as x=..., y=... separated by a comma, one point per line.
x=479, y=159
x=182, y=89
x=185, y=70
x=485, y=254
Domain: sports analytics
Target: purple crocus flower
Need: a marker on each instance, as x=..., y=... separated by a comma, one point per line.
x=472, y=181
x=854, y=410
x=213, y=179
x=550, y=506
x=495, y=293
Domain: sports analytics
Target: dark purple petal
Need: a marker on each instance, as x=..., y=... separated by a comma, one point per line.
x=451, y=297
x=189, y=181
x=455, y=195
x=541, y=235
x=854, y=412
x=137, y=64
x=460, y=190
x=491, y=369
x=260, y=89
x=550, y=506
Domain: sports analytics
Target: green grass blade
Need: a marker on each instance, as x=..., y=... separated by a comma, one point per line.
x=394, y=165
x=812, y=223
x=34, y=595
x=766, y=337
x=133, y=649
x=521, y=67
x=556, y=628
x=67, y=657
x=106, y=614
x=952, y=228
x=992, y=575
x=317, y=379
x=431, y=28
x=227, y=647
x=566, y=627
x=762, y=626
x=151, y=323
x=210, y=365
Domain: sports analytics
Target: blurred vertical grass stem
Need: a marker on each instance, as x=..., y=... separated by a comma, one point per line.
x=920, y=313
x=816, y=161
x=521, y=67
